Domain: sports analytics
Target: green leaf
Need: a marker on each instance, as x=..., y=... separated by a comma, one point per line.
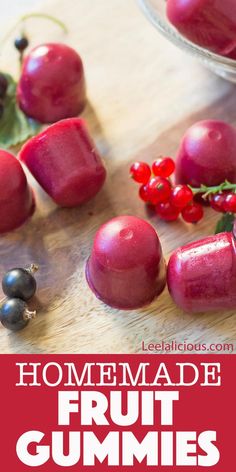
x=15, y=126
x=226, y=223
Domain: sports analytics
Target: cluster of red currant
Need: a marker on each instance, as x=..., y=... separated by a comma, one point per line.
x=157, y=190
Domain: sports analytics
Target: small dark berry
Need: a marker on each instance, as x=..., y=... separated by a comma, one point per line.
x=21, y=43
x=19, y=283
x=3, y=85
x=14, y=314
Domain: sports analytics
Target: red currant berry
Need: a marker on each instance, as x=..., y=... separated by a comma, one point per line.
x=143, y=193
x=192, y=213
x=167, y=212
x=230, y=203
x=159, y=190
x=140, y=172
x=163, y=167
x=181, y=195
x=217, y=202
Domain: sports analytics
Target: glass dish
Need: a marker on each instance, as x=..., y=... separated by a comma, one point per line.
x=155, y=10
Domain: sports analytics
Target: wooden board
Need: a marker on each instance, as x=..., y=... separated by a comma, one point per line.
x=143, y=94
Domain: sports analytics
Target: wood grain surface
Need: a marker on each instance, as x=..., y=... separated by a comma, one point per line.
x=143, y=94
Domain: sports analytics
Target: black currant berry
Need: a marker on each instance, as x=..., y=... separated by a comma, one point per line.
x=3, y=85
x=21, y=43
x=14, y=314
x=20, y=283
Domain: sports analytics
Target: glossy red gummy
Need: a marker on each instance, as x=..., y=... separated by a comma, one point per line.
x=202, y=275
x=52, y=83
x=65, y=162
x=167, y=211
x=232, y=54
x=163, y=167
x=207, y=154
x=126, y=269
x=181, y=195
x=158, y=190
x=210, y=24
x=217, y=202
x=140, y=172
x=193, y=213
x=230, y=203
x=16, y=197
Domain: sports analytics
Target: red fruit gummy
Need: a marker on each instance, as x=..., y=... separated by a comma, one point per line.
x=207, y=154
x=201, y=275
x=16, y=197
x=126, y=269
x=52, y=84
x=232, y=54
x=208, y=23
x=65, y=162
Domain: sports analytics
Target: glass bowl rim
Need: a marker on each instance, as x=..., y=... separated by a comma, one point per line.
x=176, y=38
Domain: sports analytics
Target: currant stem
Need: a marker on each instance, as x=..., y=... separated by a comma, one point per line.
x=33, y=268
x=29, y=315
x=60, y=23
x=21, y=59
x=35, y=15
x=212, y=190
